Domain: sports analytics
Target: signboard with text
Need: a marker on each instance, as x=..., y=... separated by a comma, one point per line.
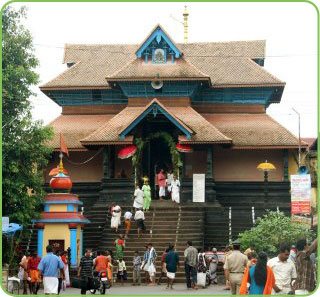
x=198, y=188
x=300, y=194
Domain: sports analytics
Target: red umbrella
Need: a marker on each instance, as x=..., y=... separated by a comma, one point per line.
x=183, y=148
x=127, y=152
x=55, y=171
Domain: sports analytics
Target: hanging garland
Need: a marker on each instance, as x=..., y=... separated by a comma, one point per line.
x=140, y=143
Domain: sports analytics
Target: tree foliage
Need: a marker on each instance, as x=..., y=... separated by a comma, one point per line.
x=24, y=141
x=272, y=230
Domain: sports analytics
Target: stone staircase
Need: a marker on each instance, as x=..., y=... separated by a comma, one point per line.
x=166, y=224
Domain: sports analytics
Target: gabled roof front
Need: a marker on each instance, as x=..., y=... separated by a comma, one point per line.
x=154, y=107
x=157, y=34
x=200, y=129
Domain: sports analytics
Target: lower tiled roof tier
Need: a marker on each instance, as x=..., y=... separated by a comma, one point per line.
x=253, y=131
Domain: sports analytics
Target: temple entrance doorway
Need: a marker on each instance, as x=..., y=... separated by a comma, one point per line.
x=156, y=156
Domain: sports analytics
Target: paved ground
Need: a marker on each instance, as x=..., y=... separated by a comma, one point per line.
x=179, y=289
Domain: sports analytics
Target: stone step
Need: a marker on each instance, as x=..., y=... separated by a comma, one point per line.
x=155, y=233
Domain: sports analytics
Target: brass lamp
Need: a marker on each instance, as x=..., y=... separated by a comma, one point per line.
x=266, y=167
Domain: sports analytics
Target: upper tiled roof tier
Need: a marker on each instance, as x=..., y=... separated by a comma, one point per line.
x=137, y=69
x=226, y=63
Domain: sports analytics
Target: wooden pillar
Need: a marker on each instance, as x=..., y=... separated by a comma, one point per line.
x=106, y=162
x=209, y=162
x=285, y=165
x=112, y=161
x=183, y=168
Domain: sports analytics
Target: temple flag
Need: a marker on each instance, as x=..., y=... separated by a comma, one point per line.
x=63, y=147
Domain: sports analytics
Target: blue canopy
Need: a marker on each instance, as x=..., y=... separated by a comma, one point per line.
x=11, y=230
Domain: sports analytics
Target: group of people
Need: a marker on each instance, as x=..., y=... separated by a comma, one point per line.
x=113, y=262
x=116, y=219
x=168, y=184
x=194, y=266
x=256, y=274
x=52, y=270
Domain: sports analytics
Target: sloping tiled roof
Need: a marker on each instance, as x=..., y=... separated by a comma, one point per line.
x=253, y=130
x=138, y=69
x=204, y=132
x=61, y=197
x=309, y=140
x=60, y=217
x=244, y=130
x=76, y=127
x=109, y=132
x=234, y=71
x=227, y=63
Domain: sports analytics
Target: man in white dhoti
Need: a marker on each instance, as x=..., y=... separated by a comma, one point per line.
x=49, y=267
x=175, y=190
x=116, y=217
x=138, y=198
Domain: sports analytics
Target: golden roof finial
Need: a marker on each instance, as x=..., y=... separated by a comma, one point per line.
x=185, y=24
x=61, y=164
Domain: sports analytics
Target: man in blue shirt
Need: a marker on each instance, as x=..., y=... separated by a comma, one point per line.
x=172, y=261
x=49, y=267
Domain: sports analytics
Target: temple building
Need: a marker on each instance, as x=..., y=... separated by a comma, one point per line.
x=211, y=97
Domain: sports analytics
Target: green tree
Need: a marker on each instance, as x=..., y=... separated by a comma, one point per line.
x=272, y=230
x=24, y=141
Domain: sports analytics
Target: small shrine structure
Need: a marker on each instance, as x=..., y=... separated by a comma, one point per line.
x=61, y=224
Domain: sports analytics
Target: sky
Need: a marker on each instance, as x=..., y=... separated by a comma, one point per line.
x=290, y=31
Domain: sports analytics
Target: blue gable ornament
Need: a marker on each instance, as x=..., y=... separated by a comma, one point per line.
x=158, y=47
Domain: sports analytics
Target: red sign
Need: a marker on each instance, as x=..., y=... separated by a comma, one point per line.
x=300, y=207
x=300, y=194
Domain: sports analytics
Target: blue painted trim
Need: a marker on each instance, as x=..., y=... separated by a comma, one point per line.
x=254, y=95
x=259, y=61
x=73, y=246
x=81, y=242
x=87, y=97
x=156, y=34
x=61, y=221
x=46, y=207
x=62, y=202
x=146, y=112
x=153, y=50
x=70, y=207
x=40, y=242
